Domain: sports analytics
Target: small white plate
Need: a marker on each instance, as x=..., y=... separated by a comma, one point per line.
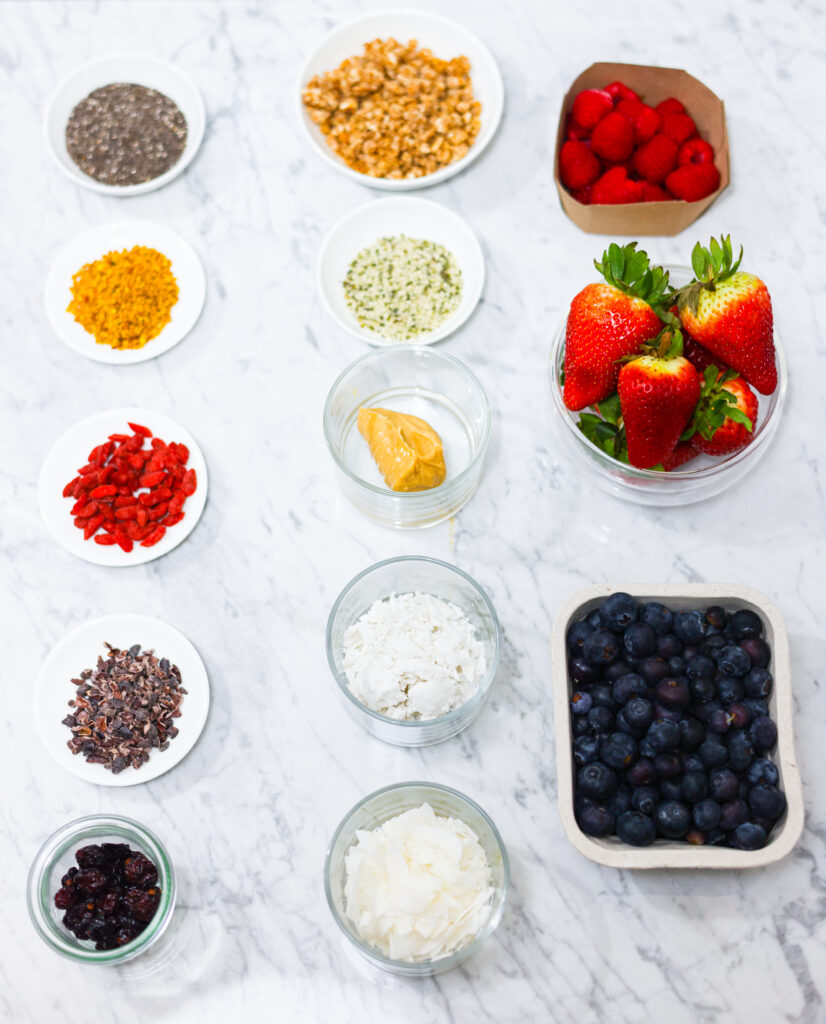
x=446, y=39
x=132, y=69
x=416, y=218
x=69, y=454
x=186, y=267
x=79, y=650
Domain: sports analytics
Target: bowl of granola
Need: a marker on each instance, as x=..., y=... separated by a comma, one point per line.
x=401, y=99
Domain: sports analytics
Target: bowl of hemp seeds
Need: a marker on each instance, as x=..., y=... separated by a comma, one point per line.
x=125, y=125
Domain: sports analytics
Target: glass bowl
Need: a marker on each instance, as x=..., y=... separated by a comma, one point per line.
x=412, y=574
x=373, y=811
x=56, y=856
x=420, y=381
x=703, y=477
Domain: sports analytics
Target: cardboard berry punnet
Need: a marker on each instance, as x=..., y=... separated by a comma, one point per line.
x=653, y=85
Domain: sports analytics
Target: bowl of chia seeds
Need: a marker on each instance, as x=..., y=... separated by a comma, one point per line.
x=401, y=271
x=124, y=125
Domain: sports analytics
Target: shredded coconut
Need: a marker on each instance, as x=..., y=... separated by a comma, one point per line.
x=413, y=656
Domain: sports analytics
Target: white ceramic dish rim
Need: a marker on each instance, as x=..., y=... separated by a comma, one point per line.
x=404, y=184
x=484, y=685
x=666, y=853
x=723, y=464
x=186, y=158
x=429, y=353
x=451, y=324
x=444, y=963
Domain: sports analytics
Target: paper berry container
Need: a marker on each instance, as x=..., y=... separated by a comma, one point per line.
x=653, y=85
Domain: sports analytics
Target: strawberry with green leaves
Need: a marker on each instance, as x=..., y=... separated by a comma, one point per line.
x=729, y=312
x=726, y=413
x=658, y=392
x=609, y=321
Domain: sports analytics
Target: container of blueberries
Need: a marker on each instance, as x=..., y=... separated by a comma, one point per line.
x=674, y=730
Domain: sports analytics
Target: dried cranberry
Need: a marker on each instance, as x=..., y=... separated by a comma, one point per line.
x=65, y=898
x=90, y=880
x=140, y=870
x=127, y=932
x=91, y=856
x=143, y=904
x=108, y=903
x=68, y=877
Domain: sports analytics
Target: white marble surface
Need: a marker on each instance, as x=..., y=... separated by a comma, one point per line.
x=247, y=815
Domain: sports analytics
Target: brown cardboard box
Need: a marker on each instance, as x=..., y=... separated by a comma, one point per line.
x=653, y=85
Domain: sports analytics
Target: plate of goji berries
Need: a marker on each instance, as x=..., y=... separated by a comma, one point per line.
x=121, y=699
x=123, y=487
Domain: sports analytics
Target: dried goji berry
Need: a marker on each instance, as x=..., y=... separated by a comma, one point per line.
x=138, y=429
x=90, y=467
x=177, y=502
x=88, y=509
x=92, y=527
x=126, y=513
x=152, y=479
x=80, y=522
x=103, y=491
x=134, y=444
x=176, y=517
x=122, y=540
x=68, y=490
x=78, y=505
x=136, y=462
x=158, y=444
x=123, y=500
x=153, y=537
x=159, y=511
x=189, y=484
x=142, y=515
x=104, y=538
x=119, y=437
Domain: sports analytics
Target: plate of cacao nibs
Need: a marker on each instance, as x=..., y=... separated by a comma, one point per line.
x=121, y=699
x=123, y=487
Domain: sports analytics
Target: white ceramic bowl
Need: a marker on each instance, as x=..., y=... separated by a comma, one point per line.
x=416, y=218
x=134, y=69
x=701, y=478
x=69, y=453
x=446, y=39
x=90, y=246
x=665, y=853
x=79, y=650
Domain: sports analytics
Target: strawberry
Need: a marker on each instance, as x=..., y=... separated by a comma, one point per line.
x=656, y=159
x=620, y=91
x=699, y=357
x=684, y=452
x=654, y=193
x=616, y=187
x=613, y=137
x=726, y=414
x=645, y=119
x=590, y=106
x=578, y=167
x=695, y=151
x=670, y=106
x=729, y=312
x=658, y=393
x=678, y=127
x=611, y=320
x=692, y=182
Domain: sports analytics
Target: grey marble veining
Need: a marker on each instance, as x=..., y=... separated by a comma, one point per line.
x=247, y=815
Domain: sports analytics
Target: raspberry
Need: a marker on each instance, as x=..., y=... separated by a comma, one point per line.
x=656, y=159
x=578, y=167
x=582, y=195
x=670, y=106
x=613, y=138
x=590, y=106
x=646, y=120
x=678, y=127
x=616, y=187
x=653, y=193
x=693, y=181
x=695, y=151
x=620, y=91
x=575, y=132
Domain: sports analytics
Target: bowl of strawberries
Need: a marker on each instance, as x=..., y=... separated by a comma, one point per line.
x=668, y=382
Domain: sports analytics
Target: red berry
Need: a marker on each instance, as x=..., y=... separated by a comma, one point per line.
x=645, y=119
x=695, y=151
x=693, y=181
x=613, y=138
x=616, y=187
x=578, y=167
x=654, y=193
x=575, y=132
x=590, y=106
x=684, y=452
x=670, y=106
x=678, y=127
x=656, y=159
x=582, y=195
x=620, y=91
x=698, y=356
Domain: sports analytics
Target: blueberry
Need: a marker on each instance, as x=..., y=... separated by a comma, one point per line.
x=600, y=648
x=716, y=616
x=757, y=707
x=662, y=714
x=716, y=837
x=730, y=689
x=670, y=789
x=690, y=627
x=600, y=719
x=618, y=750
x=712, y=644
x=719, y=722
x=596, y=780
x=641, y=773
x=692, y=763
x=581, y=703
x=618, y=611
x=595, y=820
x=762, y=770
x=602, y=696
x=645, y=799
x=646, y=749
x=757, y=649
x=577, y=635
x=706, y=814
x=636, y=829
x=695, y=837
x=712, y=752
x=701, y=665
x=663, y=735
x=740, y=750
x=586, y=749
x=743, y=624
x=639, y=640
x=668, y=646
x=667, y=766
x=767, y=801
x=582, y=673
x=702, y=689
x=620, y=801
x=733, y=661
x=580, y=727
x=705, y=710
x=673, y=693
x=690, y=651
x=677, y=665
x=653, y=669
x=739, y=715
x=758, y=683
x=657, y=616
x=733, y=813
x=622, y=725
x=672, y=819
x=749, y=836
x=695, y=787
x=692, y=733
x=593, y=619
x=616, y=670
x=628, y=686
x=639, y=712
x=723, y=785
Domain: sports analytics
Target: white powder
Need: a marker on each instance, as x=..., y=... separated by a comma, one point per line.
x=413, y=656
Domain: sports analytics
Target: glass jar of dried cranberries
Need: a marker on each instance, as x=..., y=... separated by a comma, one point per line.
x=56, y=861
